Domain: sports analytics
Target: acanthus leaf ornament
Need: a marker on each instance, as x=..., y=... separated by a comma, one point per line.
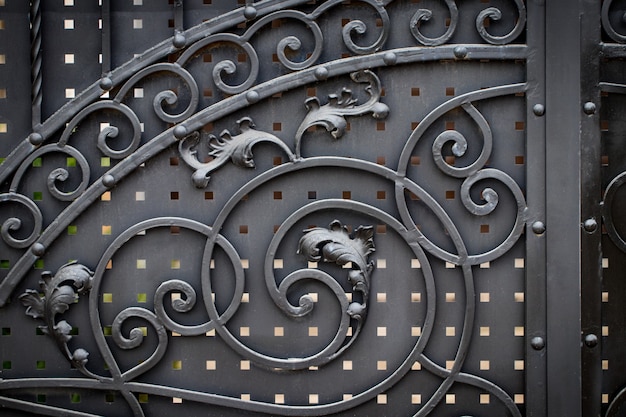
x=334, y=245
x=60, y=291
x=332, y=115
x=237, y=148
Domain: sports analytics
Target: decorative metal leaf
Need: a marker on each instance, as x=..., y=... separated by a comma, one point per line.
x=33, y=302
x=61, y=290
x=332, y=115
x=335, y=245
x=62, y=331
x=237, y=148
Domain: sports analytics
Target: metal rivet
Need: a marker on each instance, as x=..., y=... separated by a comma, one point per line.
x=179, y=40
x=539, y=109
x=249, y=12
x=591, y=340
x=106, y=83
x=321, y=73
x=252, y=97
x=180, y=131
x=108, y=180
x=538, y=227
x=537, y=343
x=35, y=138
x=589, y=107
x=460, y=52
x=390, y=58
x=590, y=225
x=38, y=249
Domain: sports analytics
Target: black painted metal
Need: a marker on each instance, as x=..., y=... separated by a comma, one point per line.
x=311, y=208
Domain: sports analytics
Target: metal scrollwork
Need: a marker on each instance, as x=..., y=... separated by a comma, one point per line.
x=14, y=223
x=494, y=13
x=608, y=23
x=424, y=15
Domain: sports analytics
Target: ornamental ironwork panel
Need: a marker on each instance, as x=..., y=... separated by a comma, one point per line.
x=274, y=208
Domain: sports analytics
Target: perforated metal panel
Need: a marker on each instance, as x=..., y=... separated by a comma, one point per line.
x=292, y=208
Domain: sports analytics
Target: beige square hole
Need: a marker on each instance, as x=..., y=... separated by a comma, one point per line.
x=450, y=331
x=381, y=399
x=450, y=398
x=416, y=331
x=415, y=264
x=211, y=365
x=245, y=297
x=518, y=398
x=450, y=265
x=381, y=263
x=484, y=297
x=244, y=331
x=485, y=331
x=605, y=398
x=484, y=365
x=416, y=366
x=278, y=264
x=484, y=398
x=518, y=297
x=485, y=265
x=279, y=331
x=449, y=365
x=245, y=397
x=381, y=331
x=416, y=297
x=381, y=297
x=416, y=398
x=140, y=196
x=518, y=331
x=176, y=400
x=518, y=365
x=245, y=264
x=279, y=399
x=244, y=365
x=605, y=263
x=605, y=364
x=519, y=263
x=347, y=397
x=210, y=333
x=313, y=331
x=347, y=365
x=314, y=398
x=605, y=296
x=450, y=297
x=381, y=365
x=605, y=330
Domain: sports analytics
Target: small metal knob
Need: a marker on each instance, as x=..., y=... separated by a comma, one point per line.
x=591, y=340
x=590, y=225
x=537, y=343
x=539, y=228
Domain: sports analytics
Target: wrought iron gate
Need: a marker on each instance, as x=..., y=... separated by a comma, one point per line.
x=305, y=207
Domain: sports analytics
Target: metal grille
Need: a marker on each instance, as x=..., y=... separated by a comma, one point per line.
x=293, y=208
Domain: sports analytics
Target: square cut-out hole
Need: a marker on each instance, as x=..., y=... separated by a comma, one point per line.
x=381, y=195
x=174, y=195
x=484, y=398
x=450, y=125
x=277, y=126
x=278, y=195
x=485, y=331
x=312, y=195
x=381, y=365
x=484, y=297
x=381, y=297
x=416, y=398
x=449, y=91
x=518, y=365
x=381, y=399
x=313, y=331
x=519, y=160
x=415, y=91
x=347, y=365
x=279, y=331
x=381, y=331
x=243, y=229
x=380, y=160
x=450, y=297
x=484, y=228
x=346, y=195
x=520, y=125
x=380, y=126
x=518, y=331
x=415, y=160
x=450, y=194
x=484, y=365
x=416, y=297
x=450, y=331
x=244, y=331
x=208, y=195
x=381, y=263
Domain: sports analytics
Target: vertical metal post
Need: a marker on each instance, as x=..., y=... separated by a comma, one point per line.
x=536, y=197
x=36, y=60
x=591, y=196
x=563, y=117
